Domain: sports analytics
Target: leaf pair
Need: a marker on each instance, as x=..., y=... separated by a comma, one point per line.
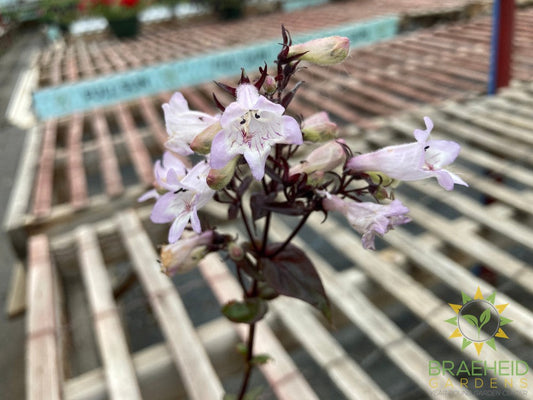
x=484, y=318
x=287, y=271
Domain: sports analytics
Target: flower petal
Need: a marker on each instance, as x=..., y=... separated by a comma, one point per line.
x=220, y=151
x=160, y=212
x=266, y=105
x=195, y=221
x=291, y=130
x=445, y=179
x=151, y=194
x=177, y=228
x=422, y=135
x=441, y=152
x=233, y=112
x=247, y=96
x=177, y=103
x=399, y=162
x=256, y=160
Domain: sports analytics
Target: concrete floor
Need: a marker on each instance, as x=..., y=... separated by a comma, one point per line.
x=12, y=63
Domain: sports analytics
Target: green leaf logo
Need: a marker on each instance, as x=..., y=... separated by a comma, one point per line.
x=471, y=319
x=484, y=318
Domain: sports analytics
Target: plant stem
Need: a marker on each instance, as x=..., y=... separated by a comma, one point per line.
x=291, y=236
x=249, y=365
x=247, y=226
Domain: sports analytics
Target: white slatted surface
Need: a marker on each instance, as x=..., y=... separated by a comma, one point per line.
x=417, y=271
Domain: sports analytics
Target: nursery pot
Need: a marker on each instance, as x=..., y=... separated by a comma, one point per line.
x=124, y=27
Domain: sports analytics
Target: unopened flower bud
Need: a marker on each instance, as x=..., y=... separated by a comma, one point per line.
x=324, y=51
x=202, y=142
x=319, y=128
x=218, y=178
x=185, y=254
x=324, y=158
x=270, y=85
x=235, y=252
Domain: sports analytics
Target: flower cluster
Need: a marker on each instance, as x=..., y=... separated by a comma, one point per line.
x=253, y=157
x=113, y=9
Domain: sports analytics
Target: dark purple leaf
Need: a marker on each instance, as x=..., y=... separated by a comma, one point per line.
x=249, y=268
x=233, y=211
x=262, y=77
x=227, y=88
x=257, y=204
x=289, y=96
x=244, y=77
x=218, y=103
x=286, y=208
x=291, y=273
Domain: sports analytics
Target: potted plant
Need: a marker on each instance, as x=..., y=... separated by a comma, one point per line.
x=120, y=14
x=58, y=12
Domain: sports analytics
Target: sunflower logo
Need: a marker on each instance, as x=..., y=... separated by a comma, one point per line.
x=479, y=321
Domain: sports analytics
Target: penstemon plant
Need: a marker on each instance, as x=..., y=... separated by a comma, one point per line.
x=246, y=159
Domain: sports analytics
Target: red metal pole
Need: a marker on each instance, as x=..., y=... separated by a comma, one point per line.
x=505, y=42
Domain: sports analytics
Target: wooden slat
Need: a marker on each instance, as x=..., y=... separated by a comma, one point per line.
x=189, y=356
x=475, y=246
x=137, y=150
x=417, y=298
x=42, y=201
x=281, y=373
x=456, y=276
x=75, y=169
x=23, y=184
x=409, y=357
x=118, y=366
x=108, y=159
x=43, y=372
x=154, y=120
x=349, y=377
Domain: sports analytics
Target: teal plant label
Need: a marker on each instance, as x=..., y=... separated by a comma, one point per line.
x=126, y=86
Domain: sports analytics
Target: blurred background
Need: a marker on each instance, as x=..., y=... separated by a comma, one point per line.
x=82, y=84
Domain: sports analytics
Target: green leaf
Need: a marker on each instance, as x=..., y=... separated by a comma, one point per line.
x=229, y=397
x=260, y=359
x=242, y=348
x=247, y=311
x=266, y=292
x=452, y=321
x=466, y=298
x=484, y=318
x=504, y=321
x=471, y=319
x=465, y=344
x=492, y=297
x=291, y=273
x=492, y=343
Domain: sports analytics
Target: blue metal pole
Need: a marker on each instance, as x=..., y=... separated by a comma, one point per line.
x=493, y=71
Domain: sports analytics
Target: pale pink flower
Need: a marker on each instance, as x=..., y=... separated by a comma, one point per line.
x=368, y=218
x=324, y=158
x=182, y=205
x=183, y=124
x=184, y=255
x=319, y=128
x=324, y=51
x=168, y=173
x=251, y=126
x=413, y=161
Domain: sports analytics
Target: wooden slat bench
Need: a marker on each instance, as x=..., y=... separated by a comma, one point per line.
x=101, y=160
x=83, y=166
x=80, y=60
x=167, y=339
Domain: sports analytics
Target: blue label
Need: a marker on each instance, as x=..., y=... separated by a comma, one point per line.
x=115, y=88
